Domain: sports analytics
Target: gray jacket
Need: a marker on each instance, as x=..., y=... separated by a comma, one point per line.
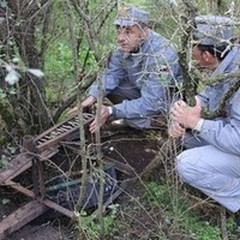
x=143, y=78
x=223, y=133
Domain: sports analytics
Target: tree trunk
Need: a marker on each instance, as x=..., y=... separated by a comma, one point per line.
x=21, y=19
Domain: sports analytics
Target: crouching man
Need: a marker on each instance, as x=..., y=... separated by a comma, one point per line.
x=140, y=73
x=212, y=161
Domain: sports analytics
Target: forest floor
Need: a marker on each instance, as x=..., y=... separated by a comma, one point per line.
x=135, y=149
x=136, y=218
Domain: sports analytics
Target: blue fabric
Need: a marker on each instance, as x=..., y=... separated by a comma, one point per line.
x=142, y=78
x=213, y=163
x=130, y=15
x=223, y=133
x=214, y=172
x=212, y=30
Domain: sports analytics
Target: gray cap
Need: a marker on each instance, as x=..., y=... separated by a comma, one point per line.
x=129, y=16
x=212, y=30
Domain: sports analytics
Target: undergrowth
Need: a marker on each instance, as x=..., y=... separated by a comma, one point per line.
x=160, y=213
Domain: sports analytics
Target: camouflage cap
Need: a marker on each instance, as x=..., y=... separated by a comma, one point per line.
x=130, y=15
x=212, y=30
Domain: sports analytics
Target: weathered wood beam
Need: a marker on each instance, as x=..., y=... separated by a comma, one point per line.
x=59, y=208
x=21, y=217
x=21, y=163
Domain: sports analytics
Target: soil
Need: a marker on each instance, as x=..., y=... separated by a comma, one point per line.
x=134, y=149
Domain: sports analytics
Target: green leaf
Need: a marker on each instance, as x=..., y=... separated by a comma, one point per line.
x=5, y=201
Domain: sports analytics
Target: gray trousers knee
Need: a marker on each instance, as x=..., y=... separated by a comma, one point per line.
x=213, y=172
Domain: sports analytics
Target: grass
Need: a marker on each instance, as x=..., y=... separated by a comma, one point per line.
x=162, y=213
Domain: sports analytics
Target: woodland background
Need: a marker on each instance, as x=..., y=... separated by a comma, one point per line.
x=50, y=53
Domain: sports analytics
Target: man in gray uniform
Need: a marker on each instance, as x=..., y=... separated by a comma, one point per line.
x=139, y=75
x=212, y=162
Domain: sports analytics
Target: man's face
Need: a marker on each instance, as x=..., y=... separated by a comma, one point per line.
x=204, y=59
x=130, y=38
x=198, y=56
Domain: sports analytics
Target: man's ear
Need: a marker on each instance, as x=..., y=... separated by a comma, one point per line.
x=208, y=57
x=145, y=30
x=210, y=60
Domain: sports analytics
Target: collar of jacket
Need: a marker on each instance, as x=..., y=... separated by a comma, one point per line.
x=229, y=63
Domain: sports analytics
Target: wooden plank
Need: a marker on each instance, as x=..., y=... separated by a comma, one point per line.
x=47, y=202
x=20, y=188
x=18, y=165
x=21, y=217
x=59, y=208
x=21, y=163
x=55, y=140
x=67, y=128
x=122, y=167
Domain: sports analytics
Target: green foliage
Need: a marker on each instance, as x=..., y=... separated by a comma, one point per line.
x=2, y=94
x=177, y=212
x=60, y=72
x=5, y=201
x=136, y=2
x=231, y=224
x=4, y=160
x=58, y=69
x=169, y=199
x=202, y=230
x=92, y=229
x=157, y=194
x=2, y=141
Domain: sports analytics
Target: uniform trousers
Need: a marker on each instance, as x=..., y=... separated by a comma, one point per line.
x=214, y=172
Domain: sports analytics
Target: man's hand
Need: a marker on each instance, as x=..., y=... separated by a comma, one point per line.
x=72, y=112
x=103, y=118
x=176, y=130
x=186, y=116
x=88, y=102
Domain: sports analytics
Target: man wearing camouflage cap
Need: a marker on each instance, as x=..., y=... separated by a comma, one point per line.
x=139, y=73
x=212, y=161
